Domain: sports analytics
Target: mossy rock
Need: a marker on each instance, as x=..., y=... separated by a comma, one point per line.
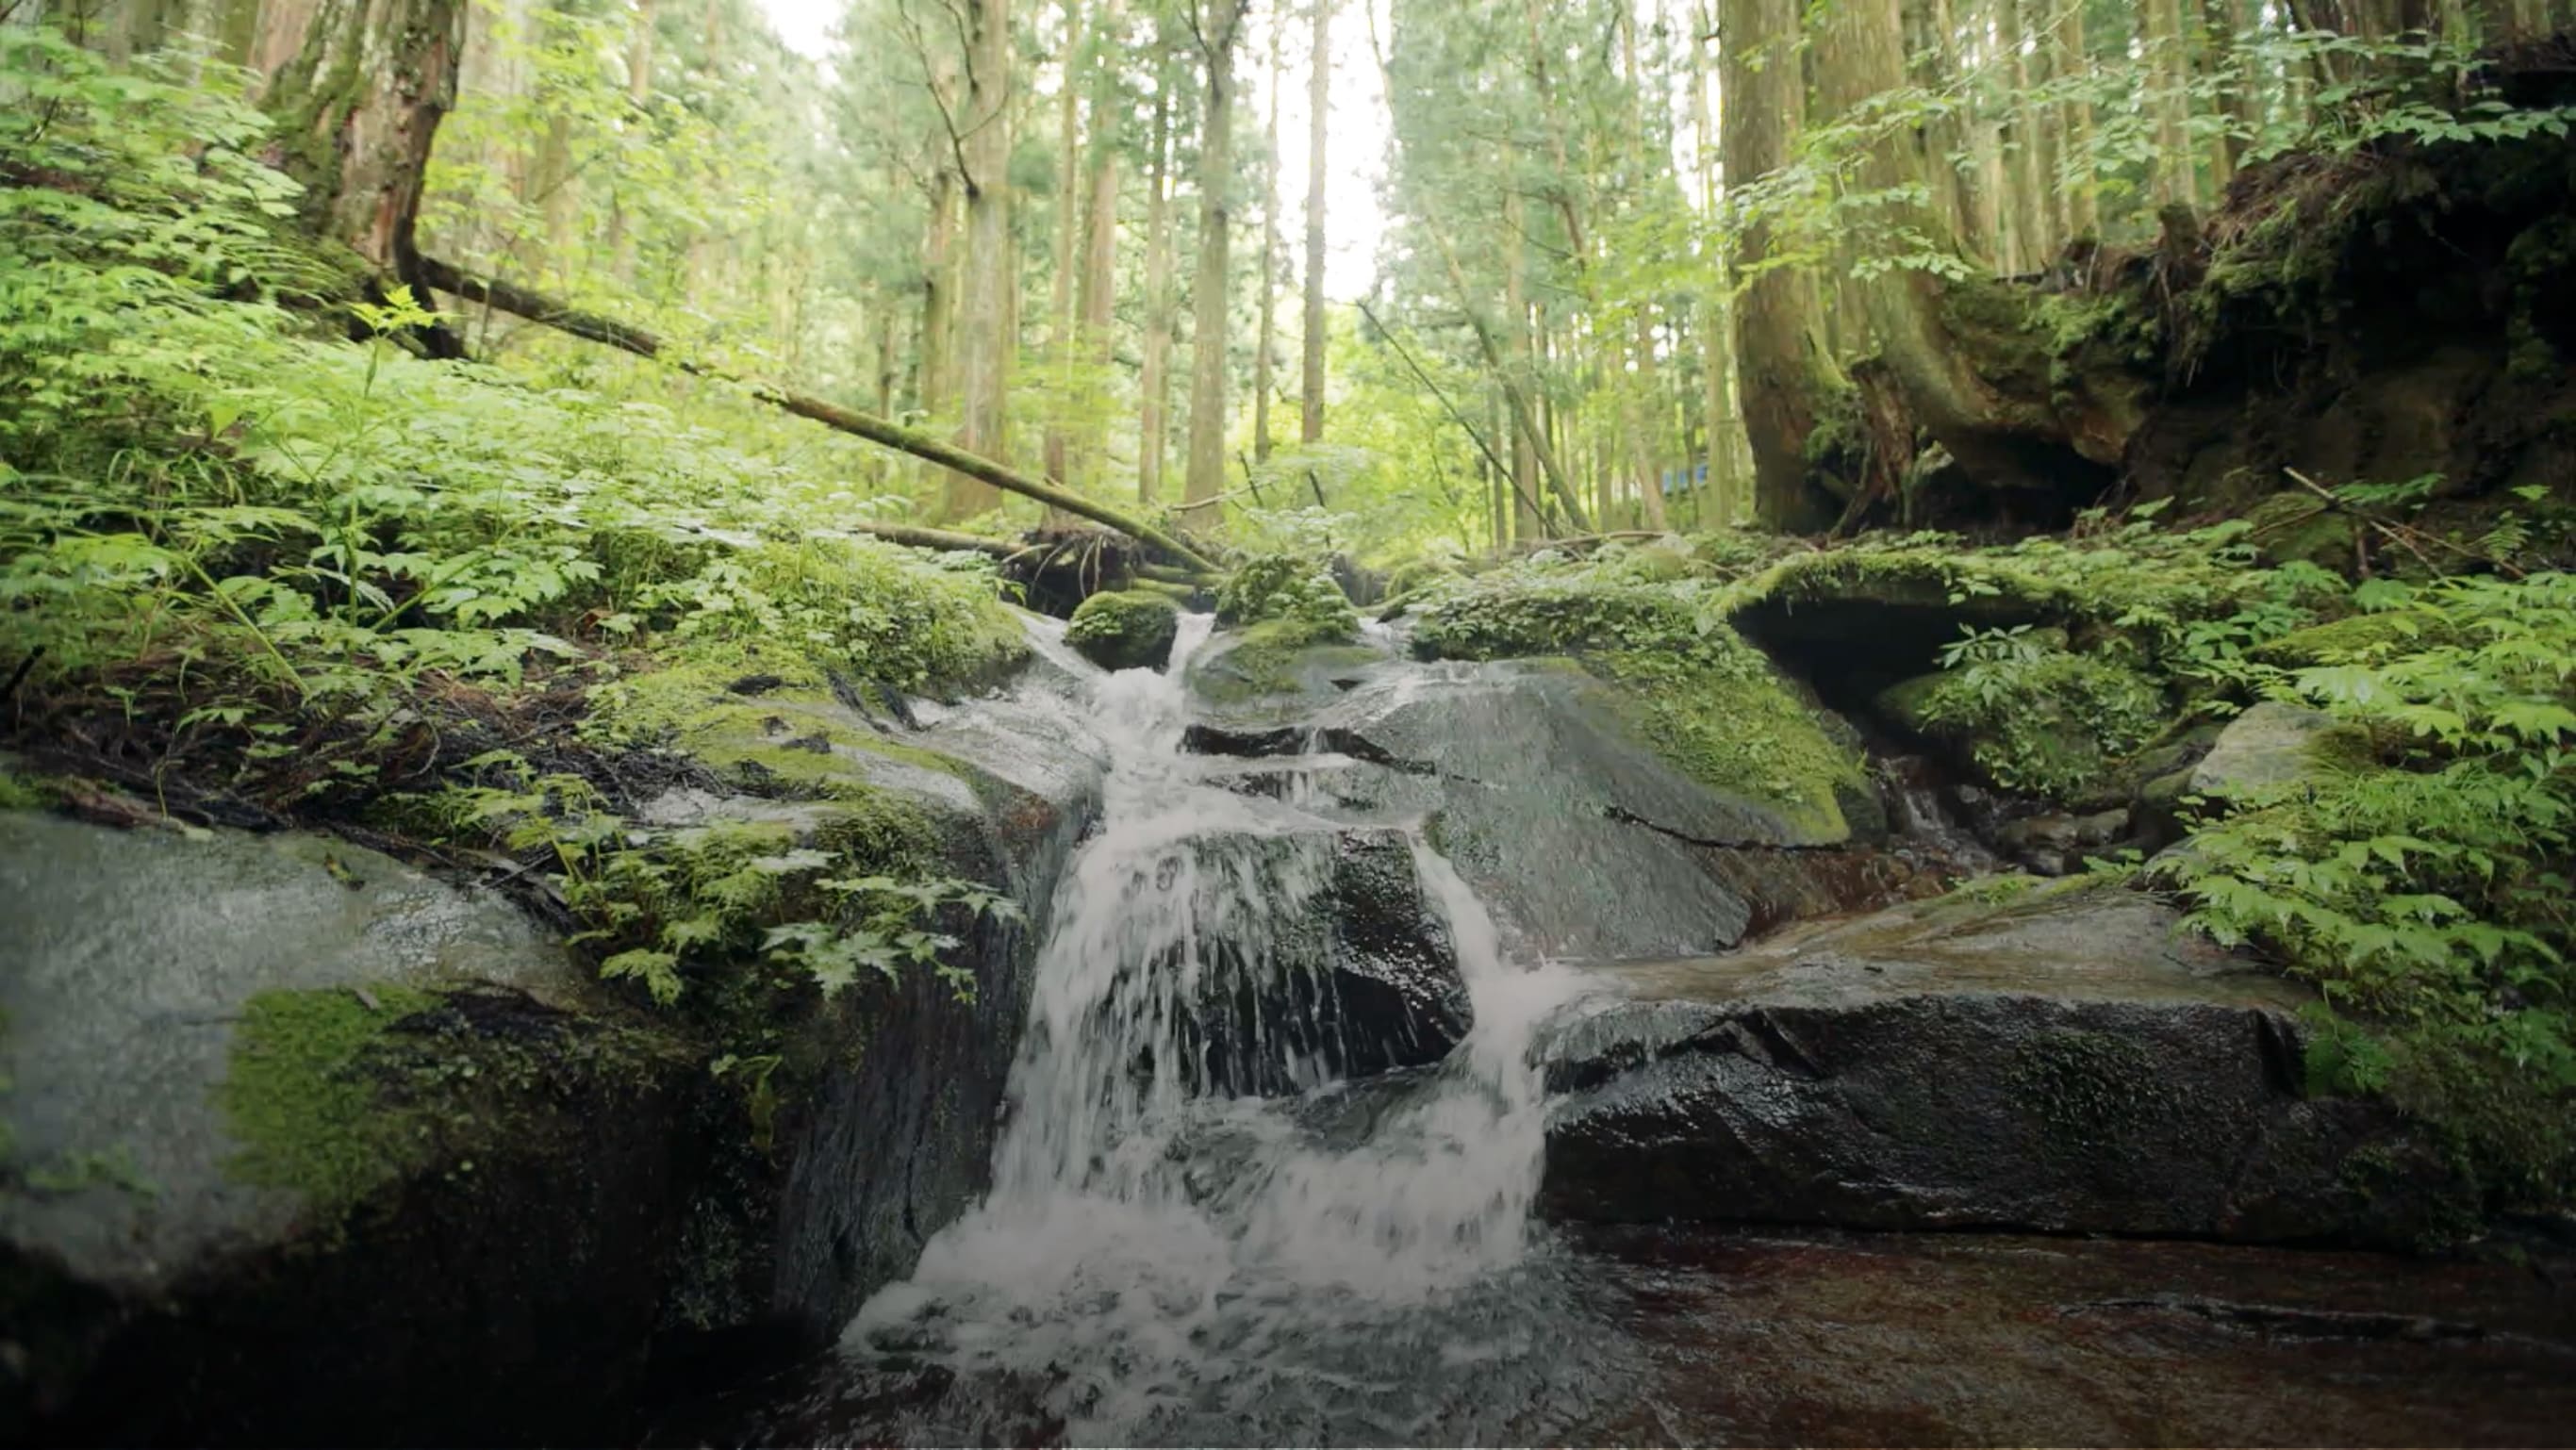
x=2358, y=637
x=2059, y=728
x=1288, y=589
x=770, y=722
x=1125, y=630
x=1283, y=662
x=1684, y=684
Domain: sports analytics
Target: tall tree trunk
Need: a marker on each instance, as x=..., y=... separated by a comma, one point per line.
x=1205, y=479
x=2075, y=127
x=358, y=100
x=988, y=336
x=2030, y=180
x=936, y=387
x=2223, y=22
x=2176, y=178
x=1528, y=523
x=1267, y=331
x=1718, y=421
x=1645, y=399
x=1154, y=383
x=1058, y=447
x=1319, y=81
x=1100, y=232
x=2001, y=439
x=1787, y=377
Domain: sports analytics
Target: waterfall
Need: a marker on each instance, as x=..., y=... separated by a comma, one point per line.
x=1159, y=1244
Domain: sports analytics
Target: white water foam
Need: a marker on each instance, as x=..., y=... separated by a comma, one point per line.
x=1156, y=1248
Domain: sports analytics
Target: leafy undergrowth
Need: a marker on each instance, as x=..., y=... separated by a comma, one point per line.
x=255, y=571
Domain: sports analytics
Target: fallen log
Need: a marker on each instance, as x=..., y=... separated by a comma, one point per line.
x=609, y=332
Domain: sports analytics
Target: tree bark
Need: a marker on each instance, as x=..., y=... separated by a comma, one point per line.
x=1100, y=234
x=989, y=337
x=936, y=385
x=1319, y=80
x=609, y=332
x=1787, y=378
x=1057, y=449
x=1931, y=347
x=1267, y=330
x=2176, y=178
x=358, y=100
x=1154, y=383
x=1205, y=478
x=2075, y=128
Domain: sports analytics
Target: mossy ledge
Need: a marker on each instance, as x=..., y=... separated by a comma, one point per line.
x=1682, y=682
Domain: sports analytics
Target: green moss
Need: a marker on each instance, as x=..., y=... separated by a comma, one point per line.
x=1905, y=574
x=26, y=792
x=2087, y=1083
x=1286, y=588
x=1734, y=725
x=767, y=718
x=1125, y=630
x=1513, y=620
x=1687, y=686
x=335, y=1096
x=1273, y=659
x=304, y=1095
x=2359, y=637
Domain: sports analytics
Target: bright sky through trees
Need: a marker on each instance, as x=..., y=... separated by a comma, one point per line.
x=1359, y=131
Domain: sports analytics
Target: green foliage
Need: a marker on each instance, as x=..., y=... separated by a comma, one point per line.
x=277, y=551
x=2426, y=890
x=1291, y=590
x=659, y=908
x=2040, y=720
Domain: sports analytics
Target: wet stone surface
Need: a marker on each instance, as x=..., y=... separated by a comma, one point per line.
x=2067, y=1063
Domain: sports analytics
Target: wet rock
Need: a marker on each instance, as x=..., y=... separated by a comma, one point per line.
x=2270, y=746
x=1278, y=671
x=2064, y=1064
x=300, y=1140
x=1357, y=977
x=1583, y=839
x=2056, y=844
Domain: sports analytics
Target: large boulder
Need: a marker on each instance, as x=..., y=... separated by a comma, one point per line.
x=2269, y=748
x=301, y=1140
x=2065, y=1064
x=1580, y=828
x=1335, y=965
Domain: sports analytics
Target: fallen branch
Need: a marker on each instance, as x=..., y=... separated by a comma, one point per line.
x=609, y=332
x=2404, y=536
x=917, y=537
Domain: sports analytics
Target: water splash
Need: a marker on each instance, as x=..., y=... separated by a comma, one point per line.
x=1162, y=1250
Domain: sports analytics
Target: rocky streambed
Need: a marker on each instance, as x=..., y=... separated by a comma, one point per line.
x=1291, y=1111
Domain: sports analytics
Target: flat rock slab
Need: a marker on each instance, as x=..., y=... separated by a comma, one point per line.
x=1822, y=1338
x=2068, y=1063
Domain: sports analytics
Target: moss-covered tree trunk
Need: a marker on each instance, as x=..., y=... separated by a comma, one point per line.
x=1968, y=357
x=358, y=103
x=1786, y=378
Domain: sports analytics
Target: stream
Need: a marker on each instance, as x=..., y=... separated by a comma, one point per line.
x=1200, y=1231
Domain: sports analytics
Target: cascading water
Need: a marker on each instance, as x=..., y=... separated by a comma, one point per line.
x=1166, y=1255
